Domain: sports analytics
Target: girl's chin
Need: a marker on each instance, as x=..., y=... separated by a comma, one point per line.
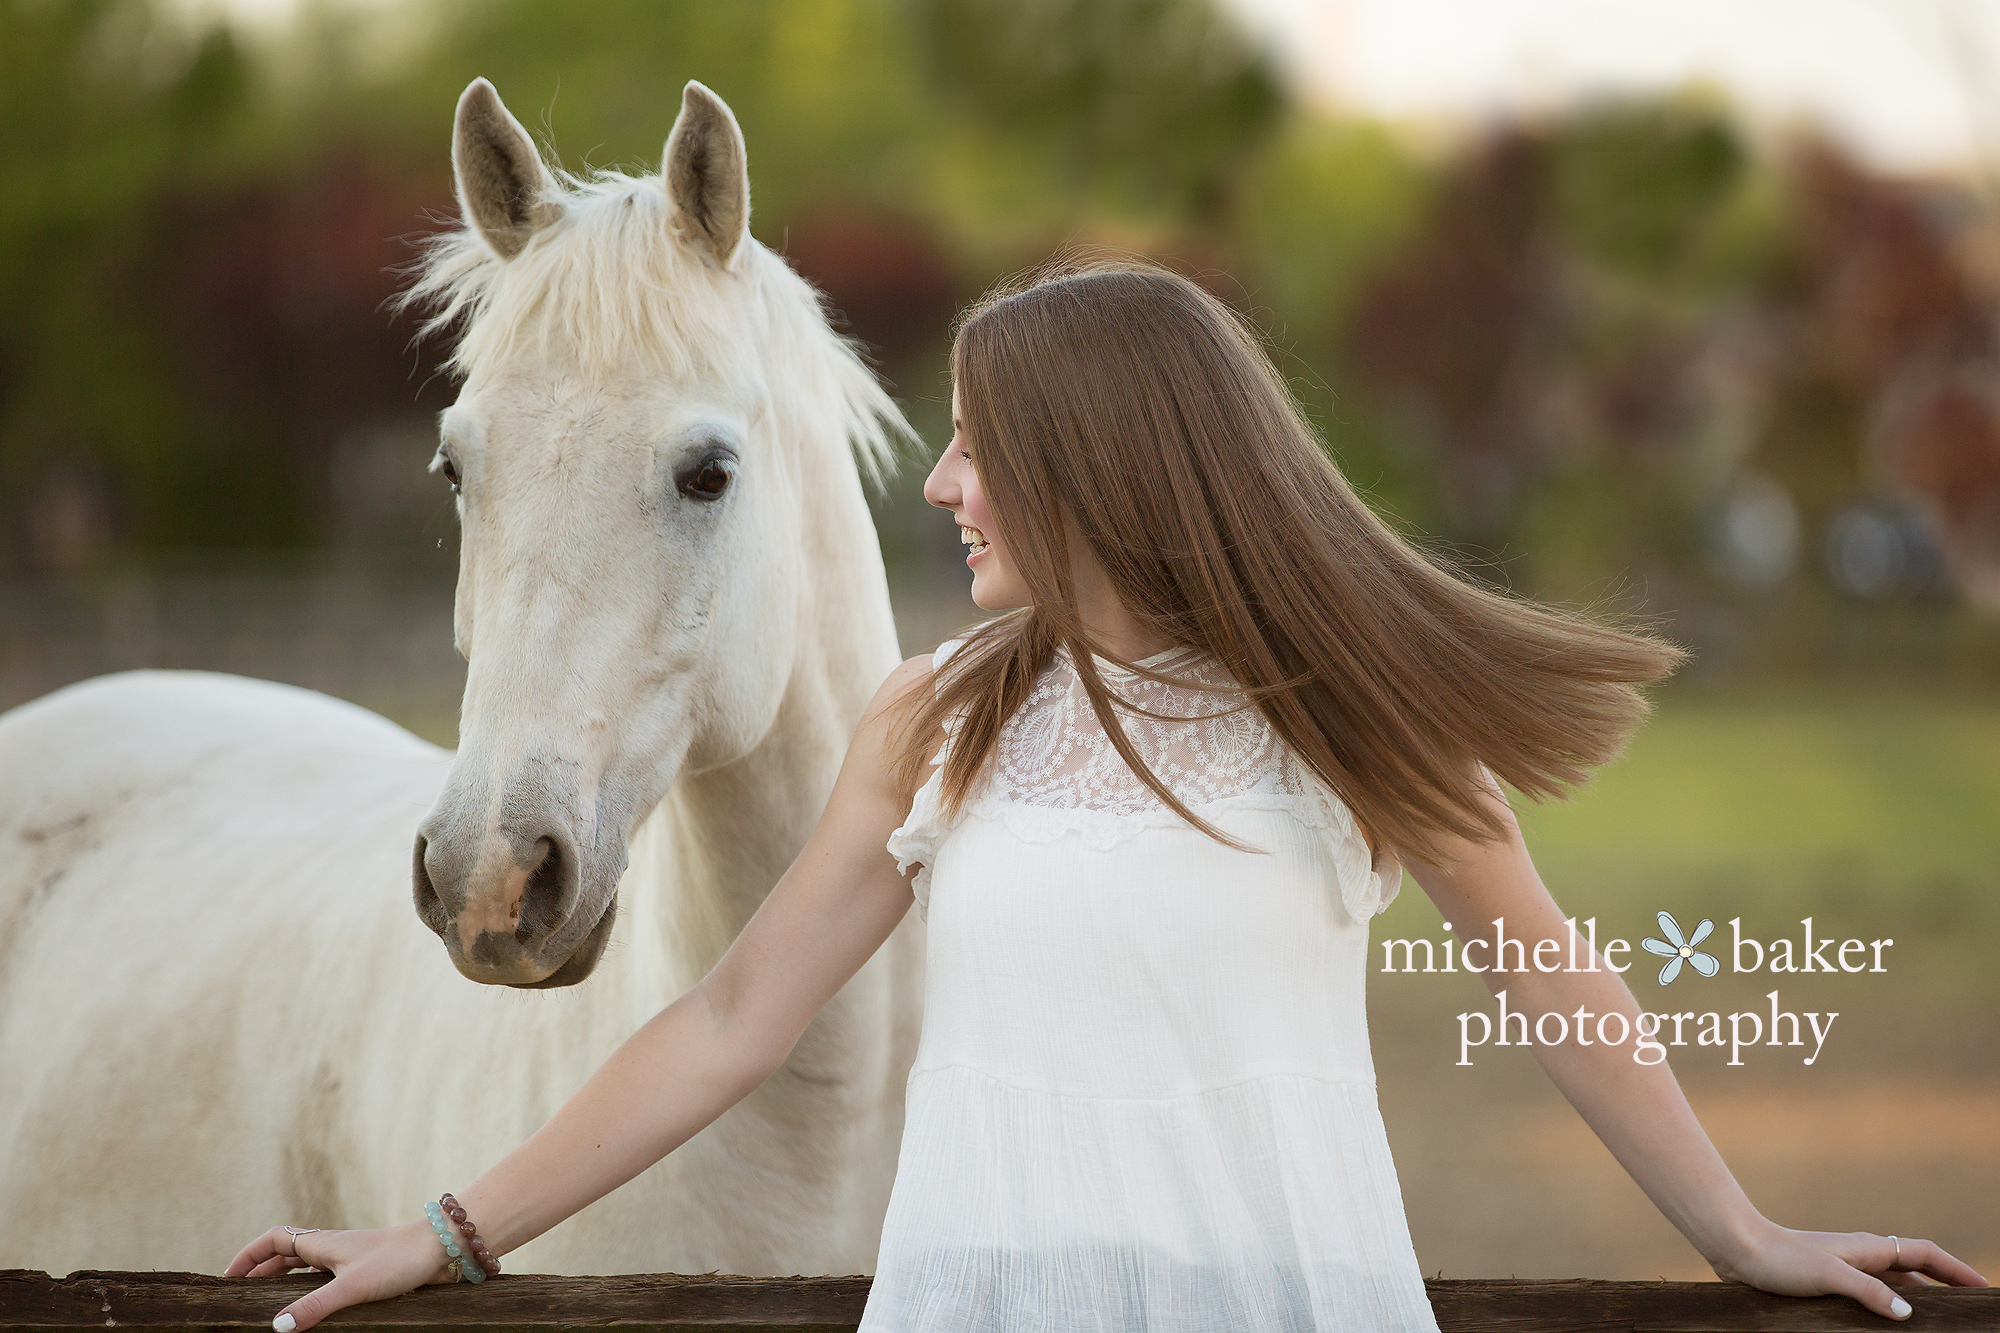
x=987, y=597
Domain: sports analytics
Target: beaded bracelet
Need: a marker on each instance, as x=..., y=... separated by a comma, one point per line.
x=460, y=1269
x=480, y=1254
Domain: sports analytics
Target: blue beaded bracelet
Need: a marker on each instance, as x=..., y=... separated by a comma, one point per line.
x=463, y=1267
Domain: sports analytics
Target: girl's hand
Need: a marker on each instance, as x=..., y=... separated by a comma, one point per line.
x=367, y=1266
x=1855, y=1263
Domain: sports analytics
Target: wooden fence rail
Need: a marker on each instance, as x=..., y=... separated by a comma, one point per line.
x=674, y=1303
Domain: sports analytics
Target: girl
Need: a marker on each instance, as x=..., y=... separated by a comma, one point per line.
x=1227, y=707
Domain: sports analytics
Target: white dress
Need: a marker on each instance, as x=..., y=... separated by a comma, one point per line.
x=1143, y=1098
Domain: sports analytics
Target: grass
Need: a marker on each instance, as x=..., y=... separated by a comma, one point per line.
x=1878, y=806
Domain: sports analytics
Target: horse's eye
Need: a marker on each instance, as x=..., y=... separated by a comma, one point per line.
x=706, y=482
x=450, y=470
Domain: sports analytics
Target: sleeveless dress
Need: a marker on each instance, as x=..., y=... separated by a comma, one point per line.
x=1143, y=1097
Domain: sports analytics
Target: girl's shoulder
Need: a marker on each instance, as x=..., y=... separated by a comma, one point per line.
x=903, y=686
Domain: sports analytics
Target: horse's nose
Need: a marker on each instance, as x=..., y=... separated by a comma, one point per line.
x=524, y=901
x=494, y=910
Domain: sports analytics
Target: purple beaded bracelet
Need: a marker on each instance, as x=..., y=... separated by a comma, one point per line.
x=475, y=1246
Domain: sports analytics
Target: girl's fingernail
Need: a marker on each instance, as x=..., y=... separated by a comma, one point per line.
x=1897, y=1307
x=284, y=1323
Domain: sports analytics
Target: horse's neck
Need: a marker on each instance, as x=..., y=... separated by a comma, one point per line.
x=707, y=856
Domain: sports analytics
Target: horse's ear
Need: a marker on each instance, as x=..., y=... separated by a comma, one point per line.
x=503, y=188
x=708, y=175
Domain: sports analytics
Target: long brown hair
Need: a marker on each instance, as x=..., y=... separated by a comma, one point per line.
x=1223, y=525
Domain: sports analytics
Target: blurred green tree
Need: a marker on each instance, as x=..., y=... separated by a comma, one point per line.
x=104, y=106
x=1640, y=185
x=1138, y=106
x=1547, y=338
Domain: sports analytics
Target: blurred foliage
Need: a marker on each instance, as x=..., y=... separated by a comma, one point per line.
x=1610, y=351
x=1638, y=187
x=1630, y=357
x=1323, y=205
x=1136, y=105
x=825, y=90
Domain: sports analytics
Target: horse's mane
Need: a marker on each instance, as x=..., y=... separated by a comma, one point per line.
x=609, y=290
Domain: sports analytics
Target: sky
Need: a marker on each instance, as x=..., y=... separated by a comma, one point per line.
x=1908, y=84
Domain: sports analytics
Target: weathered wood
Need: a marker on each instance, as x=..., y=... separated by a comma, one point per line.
x=681, y=1303
x=1581, y=1306
x=650, y=1303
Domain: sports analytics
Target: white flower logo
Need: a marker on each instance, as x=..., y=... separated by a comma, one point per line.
x=1677, y=951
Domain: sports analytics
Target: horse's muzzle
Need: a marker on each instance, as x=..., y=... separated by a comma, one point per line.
x=513, y=921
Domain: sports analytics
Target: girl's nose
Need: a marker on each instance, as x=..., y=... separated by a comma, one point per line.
x=940, y=488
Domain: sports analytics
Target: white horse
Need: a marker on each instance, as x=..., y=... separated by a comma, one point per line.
x=217, y=1008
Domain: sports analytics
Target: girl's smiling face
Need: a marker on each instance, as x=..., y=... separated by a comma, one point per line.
x=954, y=485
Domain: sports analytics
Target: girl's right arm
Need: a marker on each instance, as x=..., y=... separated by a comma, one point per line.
x=699, y=1056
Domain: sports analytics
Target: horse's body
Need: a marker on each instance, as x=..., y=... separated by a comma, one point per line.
x=218, y=1009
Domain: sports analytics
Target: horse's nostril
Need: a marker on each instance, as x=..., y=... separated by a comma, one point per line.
x=430, y=908
x=543, y=897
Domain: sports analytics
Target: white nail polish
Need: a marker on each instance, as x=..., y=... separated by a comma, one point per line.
x=284, y=1323
x=1897, y=1307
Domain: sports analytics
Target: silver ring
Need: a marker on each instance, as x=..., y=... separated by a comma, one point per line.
x=295, y=1233
x=1896, y=1264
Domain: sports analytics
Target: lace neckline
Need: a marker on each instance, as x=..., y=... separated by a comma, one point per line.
x=1054, y=773
x=1195, y=737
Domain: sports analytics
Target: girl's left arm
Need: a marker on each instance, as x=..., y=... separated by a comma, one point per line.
x=1639, y=1110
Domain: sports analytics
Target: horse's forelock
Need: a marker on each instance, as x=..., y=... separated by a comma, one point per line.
x=609, y=288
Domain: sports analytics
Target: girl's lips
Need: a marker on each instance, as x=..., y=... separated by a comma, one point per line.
x=975, y=556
